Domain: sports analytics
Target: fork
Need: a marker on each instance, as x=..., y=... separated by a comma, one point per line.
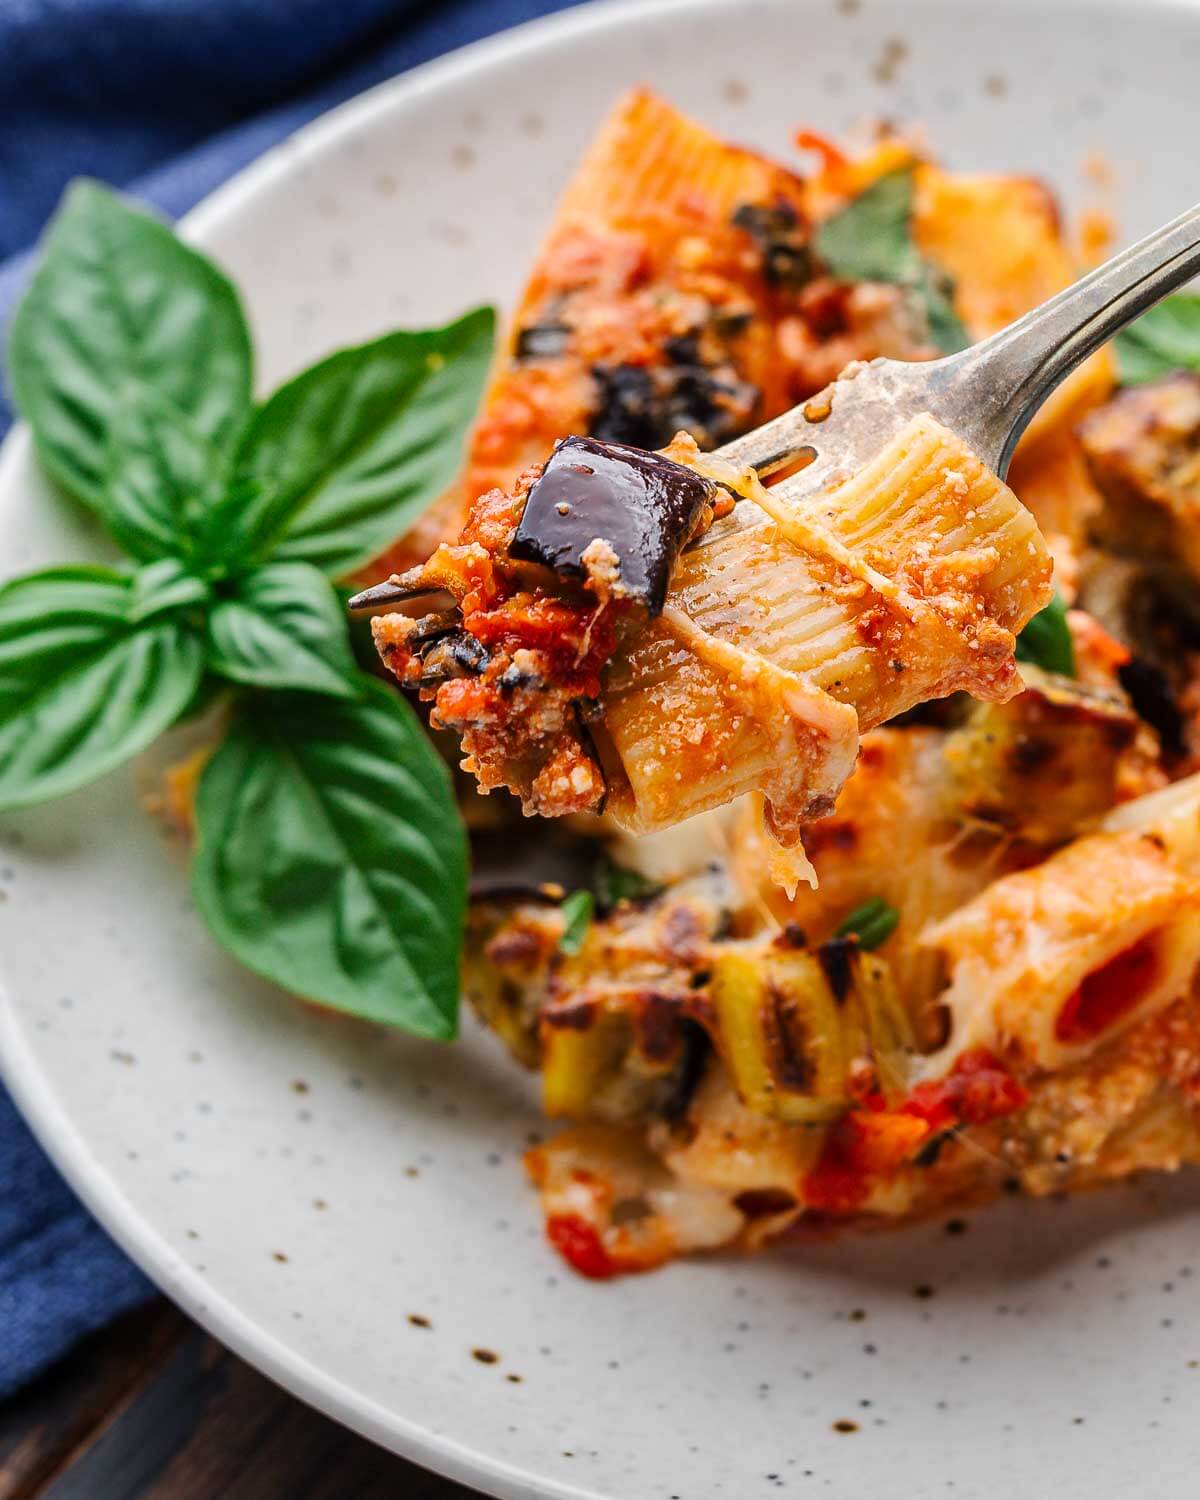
x=986, y=394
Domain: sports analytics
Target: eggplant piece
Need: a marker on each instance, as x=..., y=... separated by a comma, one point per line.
x=1154, y=700
x=643, y=506
x=512, y=864
x=646, y=406
x=1140, y=448
x=787, y=260
x=543, y=341
x=400, y=598
x=1041, y=767
x=629, y=408
x=451, y=653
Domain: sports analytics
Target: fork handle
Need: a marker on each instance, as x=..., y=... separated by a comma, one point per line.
x=1004, y=379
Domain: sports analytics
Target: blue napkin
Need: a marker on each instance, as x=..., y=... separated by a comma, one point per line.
x=165, y=99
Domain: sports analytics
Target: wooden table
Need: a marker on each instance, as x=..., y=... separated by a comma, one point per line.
x=154, y=1409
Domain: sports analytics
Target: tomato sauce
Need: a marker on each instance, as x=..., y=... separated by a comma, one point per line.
x=977, y=1089
x=873, y=1141
x=580, y=1245
x=1109, y=993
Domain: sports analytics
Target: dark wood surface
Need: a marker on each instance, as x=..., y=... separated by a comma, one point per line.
x=154, y=1409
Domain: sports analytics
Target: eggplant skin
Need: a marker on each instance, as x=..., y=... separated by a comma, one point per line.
x=644, y=506
x=1140, y=449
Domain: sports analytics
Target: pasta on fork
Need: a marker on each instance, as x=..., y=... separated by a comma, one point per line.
x=582, y=685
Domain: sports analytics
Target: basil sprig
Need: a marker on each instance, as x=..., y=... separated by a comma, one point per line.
x=329, y=852
x=871, y=239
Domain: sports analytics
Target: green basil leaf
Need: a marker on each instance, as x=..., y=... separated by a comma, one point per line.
x=82, y=687
x=165, y=587
x=163, y=476
x=613, y=883
x=331, y=857
x=1164, y=339
x=872, y=923
x=224, y=539
x=117, y=298
x=283, y=627
x=870, y=239
x=934, y=292
x=1046, y=641
x=352, y=451
x=577, y=910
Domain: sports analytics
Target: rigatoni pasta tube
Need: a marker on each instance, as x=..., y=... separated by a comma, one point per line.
x=905, y=583
x=1049, y=963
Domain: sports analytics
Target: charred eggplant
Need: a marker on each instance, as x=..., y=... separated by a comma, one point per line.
x=639, y=509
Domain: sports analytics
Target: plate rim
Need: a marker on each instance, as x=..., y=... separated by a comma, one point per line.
x=39, y=1104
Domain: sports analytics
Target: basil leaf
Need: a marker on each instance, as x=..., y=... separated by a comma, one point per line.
x=870, y=239
x=1046, y=641
x=118, y=298
x=331, y=857
x=162, y=476
x=224, y=537
x=578, y=909
x=82, y=687
x=613, y=883
x=352, y=451
x=164, y=587
x=283, y=627
x=1164, y=339
x=934, y=294
x=872, y=923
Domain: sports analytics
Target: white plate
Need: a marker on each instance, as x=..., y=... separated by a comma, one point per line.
x=303, y=1187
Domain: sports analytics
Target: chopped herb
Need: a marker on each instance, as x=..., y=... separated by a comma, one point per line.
x=1166, y=338
x=613, y=883
x=872, y=923
x=577, y=912
x=871, y=239
x=1046, y=641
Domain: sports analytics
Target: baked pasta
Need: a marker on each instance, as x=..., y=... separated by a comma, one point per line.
x=991, y=982
x=587, y=660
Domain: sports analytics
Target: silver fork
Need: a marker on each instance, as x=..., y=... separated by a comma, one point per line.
x=987, y=394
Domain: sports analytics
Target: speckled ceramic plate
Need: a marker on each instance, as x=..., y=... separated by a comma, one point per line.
x=348, y=1209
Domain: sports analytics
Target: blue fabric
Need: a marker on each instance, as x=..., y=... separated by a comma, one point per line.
x=165, y=99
